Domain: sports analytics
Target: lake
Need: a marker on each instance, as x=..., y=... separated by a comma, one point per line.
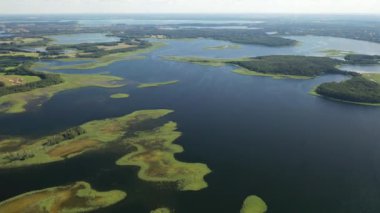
x=261, y=136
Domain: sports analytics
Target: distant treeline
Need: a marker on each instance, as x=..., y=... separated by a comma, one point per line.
x=242, y=36
x=47, y=79
x=292, y=65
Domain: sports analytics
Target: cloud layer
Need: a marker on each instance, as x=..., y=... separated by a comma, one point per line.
x=189, y=6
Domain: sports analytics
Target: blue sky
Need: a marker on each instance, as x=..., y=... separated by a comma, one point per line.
x=189, y=6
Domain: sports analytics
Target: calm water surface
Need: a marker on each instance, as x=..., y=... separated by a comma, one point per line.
x=300, y=153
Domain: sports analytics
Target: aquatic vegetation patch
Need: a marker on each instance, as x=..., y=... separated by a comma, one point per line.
x=155, y=156
x=254, y=204
x=336, y=53
x=157, y=84
x=161, y=210
x=77, y=197
x=72, y=142
x=119, y=95
x=224, y=47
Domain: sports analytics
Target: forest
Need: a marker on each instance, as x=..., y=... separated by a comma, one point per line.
x=292, y=65
x=360, y=59
x=357, y=89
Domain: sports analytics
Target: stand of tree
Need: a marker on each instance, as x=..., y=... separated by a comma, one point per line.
x=357, y=89
x=47, y=79
x=65, y=135
x=360, y=59
x=292, y=65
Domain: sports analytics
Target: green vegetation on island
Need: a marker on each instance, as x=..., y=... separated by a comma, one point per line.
x=253, y=204
x=277, y=66
x=21, y=152
x=119, y=95
x=155, y=156
x=77, y=197
x=360, y=59
x=363, y=89
x=156, y=84
x=308, y=66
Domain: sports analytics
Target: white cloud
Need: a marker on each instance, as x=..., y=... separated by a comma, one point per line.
x=189, y=6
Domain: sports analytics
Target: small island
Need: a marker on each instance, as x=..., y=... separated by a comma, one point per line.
x=156, y=84
x=77, y=197
x=254, y=204
x=119, y=95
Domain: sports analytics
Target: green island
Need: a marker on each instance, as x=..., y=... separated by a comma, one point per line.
x=363, y=89
x=156, y=84
x=21, y=152
x=161, y=210
x=253, y=204
x=155, y=156
x=76, y=197
x=120, y=95
x=276, y=66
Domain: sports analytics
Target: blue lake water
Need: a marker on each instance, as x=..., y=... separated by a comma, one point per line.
x=262, y=136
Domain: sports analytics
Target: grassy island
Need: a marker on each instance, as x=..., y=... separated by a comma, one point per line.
x=363, y=89
x=253, y=204
x=120, y=95
x=20, y=152
x=77, y=197
x=155, y=156
x=156, y=84
x=297, y=67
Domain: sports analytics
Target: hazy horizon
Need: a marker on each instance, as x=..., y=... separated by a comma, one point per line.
x=9, y=7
